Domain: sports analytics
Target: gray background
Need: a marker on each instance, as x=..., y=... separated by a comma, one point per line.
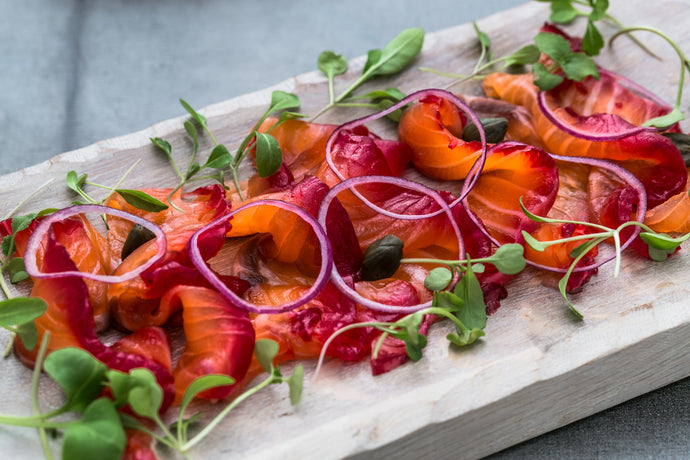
x=75, y=72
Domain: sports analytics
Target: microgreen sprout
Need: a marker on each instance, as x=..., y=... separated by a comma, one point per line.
x=100, y=431
x=136, y=198
x=660, y=245
x=675, y=115
x=464, y=305
x=268, y=154
x=392, y=59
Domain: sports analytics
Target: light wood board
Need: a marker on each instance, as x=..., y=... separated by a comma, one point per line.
x=537, y=368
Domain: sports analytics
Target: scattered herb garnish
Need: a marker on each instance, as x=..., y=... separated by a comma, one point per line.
x=660, y=245
x=464, y=306
x=392, y=59
x=675, y=115
x=268, y=153
x=100, y=431
x=136, y=198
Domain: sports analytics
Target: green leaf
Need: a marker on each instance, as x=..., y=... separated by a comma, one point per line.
x=201, y=384
x=562, y=287
x=528, y=54
x=667, y=120
x=484, y=39
x=578, y=66
x=146, y=396
x=7, y=246
x=265, y=350
x=592, y=42
x=553, y=45
x=544, y=79
x=193, y=169
x=473, y=315
x=534, y=243
x=598, y=10
x=448, y=301
x=331, y=64
x=509, y=259
x=399, y=53
x=74, y=181
x=219, y=158
x=562, y=12
x=296, y=383
x=280, y=100
x=162, y=144
x=195, y=115
x=17, y=270
x=269, y=157
x=79, y=374
x=99, y=434
x=661, y=245
x=142, y=200
x=438, y=279
x=20, y=223
x=21, y=310
x=28, y=333
x=373, y=57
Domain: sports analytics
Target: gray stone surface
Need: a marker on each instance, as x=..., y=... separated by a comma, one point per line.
x=78, y=71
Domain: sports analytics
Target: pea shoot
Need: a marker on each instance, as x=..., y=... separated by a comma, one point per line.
x=660, y=245
x=463, y=305
x=268, y=153
x=392, y=59
x=98, y=431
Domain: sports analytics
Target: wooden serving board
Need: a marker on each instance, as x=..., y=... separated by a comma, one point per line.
x=537, y=368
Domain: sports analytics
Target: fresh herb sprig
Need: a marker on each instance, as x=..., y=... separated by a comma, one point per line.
x=464, y=306
x=268, y=154
x=100, y=430
x=136, y=198
x=660, y=245
x=675, y=115
x=390, y=60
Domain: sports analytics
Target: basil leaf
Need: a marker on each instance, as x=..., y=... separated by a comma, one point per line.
x=142, y=200
x=269, y=157
x=382, y=258
x=331, y=64
x=20, y=223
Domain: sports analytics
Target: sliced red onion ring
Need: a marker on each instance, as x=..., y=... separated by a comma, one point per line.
x=44, y=225
x=587, y=135
x=474, y=171
x=319, y=283
x=631, y=180
x=354, y=181
x=636, y=88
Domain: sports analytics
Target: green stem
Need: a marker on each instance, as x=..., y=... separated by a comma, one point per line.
x=36, y=410
x=203, y=433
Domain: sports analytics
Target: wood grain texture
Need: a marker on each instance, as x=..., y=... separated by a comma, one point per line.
x=537, y=368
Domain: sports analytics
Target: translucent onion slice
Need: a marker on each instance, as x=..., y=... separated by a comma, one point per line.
x=473, y=175
x=405, y=183
x=44, y=225
x=319, y=283
x=551, y=115
x=633, y=182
